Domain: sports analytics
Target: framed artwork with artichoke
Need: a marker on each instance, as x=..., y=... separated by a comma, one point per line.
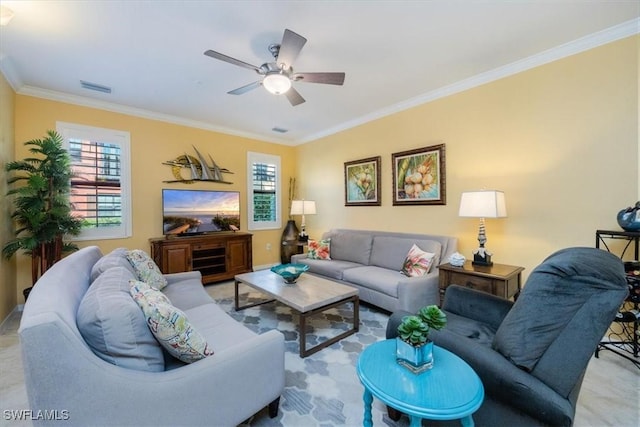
x=419, y=176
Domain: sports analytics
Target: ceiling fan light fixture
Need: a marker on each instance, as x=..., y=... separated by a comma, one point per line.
x=276, y=83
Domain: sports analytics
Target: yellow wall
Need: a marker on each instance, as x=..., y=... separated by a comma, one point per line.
x=7, y=267
x=154, y=142
x=561, y=140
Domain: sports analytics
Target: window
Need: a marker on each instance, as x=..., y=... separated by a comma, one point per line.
x=263, y=191
x=100, y=188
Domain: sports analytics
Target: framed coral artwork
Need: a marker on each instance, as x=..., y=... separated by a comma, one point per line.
x=362, y=182
x=419, y=176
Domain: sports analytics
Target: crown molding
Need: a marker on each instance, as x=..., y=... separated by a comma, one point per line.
x=618, y=32
x=8, y=70
x=623, y=30
x=136, y=112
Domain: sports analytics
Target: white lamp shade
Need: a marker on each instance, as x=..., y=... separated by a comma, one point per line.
x=277, y=84
x=303, y=207
x=483, y=204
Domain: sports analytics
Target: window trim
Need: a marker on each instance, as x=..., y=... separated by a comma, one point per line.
x=122, y=138
x=253, y=157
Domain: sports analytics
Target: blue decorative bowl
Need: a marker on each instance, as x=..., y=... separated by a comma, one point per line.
x=629, y=218
x=290, y=272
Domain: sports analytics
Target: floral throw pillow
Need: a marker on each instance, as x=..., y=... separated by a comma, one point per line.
x=418, y=262
x=169, y=324
x=319, y=249
x=146, y=270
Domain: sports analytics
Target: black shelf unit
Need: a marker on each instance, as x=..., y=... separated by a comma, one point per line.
x=624, y=335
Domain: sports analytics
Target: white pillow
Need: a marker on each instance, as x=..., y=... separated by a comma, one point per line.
x=418, y=262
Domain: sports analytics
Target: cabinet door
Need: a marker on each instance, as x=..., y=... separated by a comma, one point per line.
x=237, y=256
x=176, y=259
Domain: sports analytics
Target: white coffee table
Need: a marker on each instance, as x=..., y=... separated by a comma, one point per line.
x=310, y=295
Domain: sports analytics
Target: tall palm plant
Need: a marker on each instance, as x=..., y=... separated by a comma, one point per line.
x=42, y=207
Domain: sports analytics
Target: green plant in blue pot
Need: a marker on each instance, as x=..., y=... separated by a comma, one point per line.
x=433, y=317
x=414, y=349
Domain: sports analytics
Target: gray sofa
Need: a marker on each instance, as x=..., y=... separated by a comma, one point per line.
x=130, y=381
x=532, y=355
x=371, y=262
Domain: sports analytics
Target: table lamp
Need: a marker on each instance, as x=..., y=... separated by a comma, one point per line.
x=482, y=204
x=303, y=207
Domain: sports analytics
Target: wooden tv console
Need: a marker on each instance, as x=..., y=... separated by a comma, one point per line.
x=218, y=256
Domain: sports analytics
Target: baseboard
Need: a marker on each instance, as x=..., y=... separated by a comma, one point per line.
x=4, y=326
x=263, y=267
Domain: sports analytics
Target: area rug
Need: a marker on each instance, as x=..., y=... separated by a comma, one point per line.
x=322, y=389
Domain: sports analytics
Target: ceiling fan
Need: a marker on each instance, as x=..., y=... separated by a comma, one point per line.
x=279, y=75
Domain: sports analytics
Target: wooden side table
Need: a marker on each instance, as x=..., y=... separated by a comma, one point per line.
x=499, y=279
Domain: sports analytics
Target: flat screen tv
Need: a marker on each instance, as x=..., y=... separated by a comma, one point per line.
x=187, y=212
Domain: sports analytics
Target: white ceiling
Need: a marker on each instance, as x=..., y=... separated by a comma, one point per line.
x=396, y=54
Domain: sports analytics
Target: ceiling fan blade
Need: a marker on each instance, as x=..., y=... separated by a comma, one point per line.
x=230, y=60
x=294, y=97
x=245, y=88
x=324, y=78
x=290, y=47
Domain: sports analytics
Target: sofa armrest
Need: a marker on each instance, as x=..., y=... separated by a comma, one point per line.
x=505, y=382
x=476, y=305
x=296, y=258
x=225, y=388
x=187, y=275
x=417, y=292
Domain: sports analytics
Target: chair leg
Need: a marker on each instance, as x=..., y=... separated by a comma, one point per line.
x=273, y=408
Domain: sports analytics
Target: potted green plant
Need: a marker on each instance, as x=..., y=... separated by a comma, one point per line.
x=42, y=209
x=414, y=349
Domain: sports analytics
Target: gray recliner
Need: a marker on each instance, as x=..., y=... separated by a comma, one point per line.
x=532, y=354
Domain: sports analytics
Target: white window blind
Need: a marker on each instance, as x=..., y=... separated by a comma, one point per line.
x=263, y=191
x=100, y=187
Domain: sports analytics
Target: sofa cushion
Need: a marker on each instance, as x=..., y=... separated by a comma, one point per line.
x=146, y=269
x=351, y=246
x=390, y=252
x=319, y=249
x=376, y=278
x=186, y=294
x=417, y=263
x=218, y=327
x=115, y=258
x=333, y=269
x=170, y=325
x=480, y=332
x=113, y=325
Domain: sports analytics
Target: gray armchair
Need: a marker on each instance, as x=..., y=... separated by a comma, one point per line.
x=532, y=355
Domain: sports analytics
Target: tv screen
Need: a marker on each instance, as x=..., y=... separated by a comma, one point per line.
x=187, y=212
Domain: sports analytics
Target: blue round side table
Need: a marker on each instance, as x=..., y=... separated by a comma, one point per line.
x=450, y=390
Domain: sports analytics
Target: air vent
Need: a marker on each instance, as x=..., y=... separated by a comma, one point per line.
x=280, y=130
x=94, y=86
